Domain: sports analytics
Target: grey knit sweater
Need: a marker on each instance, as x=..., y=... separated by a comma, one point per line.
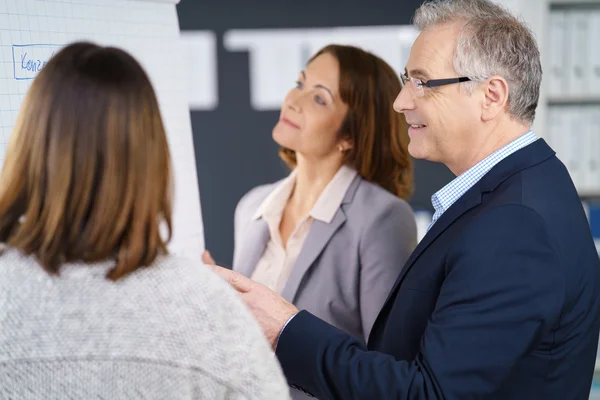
x=172, y=331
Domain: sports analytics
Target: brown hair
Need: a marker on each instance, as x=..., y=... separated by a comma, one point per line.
x=369, y=86
x=87, y=174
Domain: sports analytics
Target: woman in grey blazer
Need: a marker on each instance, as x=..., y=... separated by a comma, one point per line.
x=333, y=236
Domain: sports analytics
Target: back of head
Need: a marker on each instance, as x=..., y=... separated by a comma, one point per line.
x=87, y=173
x=492, y=42
x=368, y=85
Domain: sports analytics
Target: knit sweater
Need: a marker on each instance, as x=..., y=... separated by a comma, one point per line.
x=174, y=330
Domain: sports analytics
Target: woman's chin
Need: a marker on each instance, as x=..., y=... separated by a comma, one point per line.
x=283, y=139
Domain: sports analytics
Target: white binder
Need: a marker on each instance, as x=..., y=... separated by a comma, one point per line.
x=593, y=175
x=594, y=52
x=577, y=59
x=557, y=50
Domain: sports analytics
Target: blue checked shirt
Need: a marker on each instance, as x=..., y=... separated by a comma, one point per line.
x=449, y=194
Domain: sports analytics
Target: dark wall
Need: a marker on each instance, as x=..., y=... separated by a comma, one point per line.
x=233, y=145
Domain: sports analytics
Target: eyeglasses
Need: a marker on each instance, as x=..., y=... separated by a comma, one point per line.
x=416, y=85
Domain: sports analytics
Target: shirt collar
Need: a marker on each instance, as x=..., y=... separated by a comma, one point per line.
x=275, y=202
x=333, y=195
x=327, y=204
x=446, y=196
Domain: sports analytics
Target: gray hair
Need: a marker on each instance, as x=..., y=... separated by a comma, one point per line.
x=492, y=42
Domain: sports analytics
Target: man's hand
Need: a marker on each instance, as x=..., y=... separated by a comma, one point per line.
x=270, y=309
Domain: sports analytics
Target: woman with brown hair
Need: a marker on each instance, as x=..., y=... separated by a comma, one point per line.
x=333, y=236
x=91, y=303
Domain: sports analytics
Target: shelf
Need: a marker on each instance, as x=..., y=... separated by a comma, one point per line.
x=589, y=195
x=573, y=3
x=574, y=101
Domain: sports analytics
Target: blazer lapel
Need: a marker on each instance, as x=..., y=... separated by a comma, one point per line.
x=318, y=236
x=256, y=237
x=469, y=200
x=530, y=155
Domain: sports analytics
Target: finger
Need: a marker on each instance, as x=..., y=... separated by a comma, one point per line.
x=207, y=258
x=235, y=279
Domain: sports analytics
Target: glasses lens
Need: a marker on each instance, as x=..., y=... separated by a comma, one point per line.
x=404, y=81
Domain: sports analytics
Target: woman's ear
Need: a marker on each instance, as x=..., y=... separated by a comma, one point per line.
x=345, y=144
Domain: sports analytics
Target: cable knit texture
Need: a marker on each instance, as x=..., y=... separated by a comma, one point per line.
x=174, y=331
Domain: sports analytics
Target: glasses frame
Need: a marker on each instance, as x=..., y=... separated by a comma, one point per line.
x=418, y=84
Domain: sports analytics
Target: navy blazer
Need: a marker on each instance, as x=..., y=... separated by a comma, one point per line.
x=500, y=300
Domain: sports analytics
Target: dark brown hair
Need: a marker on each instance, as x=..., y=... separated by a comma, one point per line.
x=87, y=174
x=369, y=86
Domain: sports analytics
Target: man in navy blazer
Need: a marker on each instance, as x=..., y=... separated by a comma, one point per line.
x=501, y=298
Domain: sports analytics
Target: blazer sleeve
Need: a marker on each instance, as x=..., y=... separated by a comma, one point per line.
x=388, y=241
x=237, y=226
x=244, y=210
x=504, y=287
x=238, y=216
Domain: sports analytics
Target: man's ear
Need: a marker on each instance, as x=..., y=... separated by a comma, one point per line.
x=495, y=100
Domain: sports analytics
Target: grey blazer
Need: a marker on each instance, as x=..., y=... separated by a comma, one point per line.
x=346, y=268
